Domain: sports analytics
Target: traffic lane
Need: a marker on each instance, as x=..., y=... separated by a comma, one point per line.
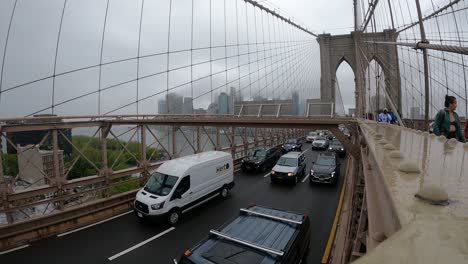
x=92, y=245
x=320, y=204
x=100, y=242
x=197, y=223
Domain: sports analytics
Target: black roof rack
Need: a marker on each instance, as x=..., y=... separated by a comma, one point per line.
x=247, y=243
x=271, y=216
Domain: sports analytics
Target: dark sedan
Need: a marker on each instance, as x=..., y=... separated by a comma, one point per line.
x=325, y=169
x=337, y=147
x=261, y=159
x=292, y=144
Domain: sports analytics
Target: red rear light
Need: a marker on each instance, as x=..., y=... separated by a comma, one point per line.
x=252, y=205
x=305, y=216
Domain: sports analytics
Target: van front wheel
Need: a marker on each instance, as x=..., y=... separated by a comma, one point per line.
x=173, y=217
x=224, y=192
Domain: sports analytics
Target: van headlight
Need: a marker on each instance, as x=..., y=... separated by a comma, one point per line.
x=330, y=148
x=290, y=174
x=342, y=148
x=311, y=172
x=333, y=174
x=157, y=206
x=272, y=172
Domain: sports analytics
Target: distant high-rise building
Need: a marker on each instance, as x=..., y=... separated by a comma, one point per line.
x=175, y=103
x=352, y=111
x=223, y=104
x=213, y=109
x=162, y=107
x=188, y=105
x=415, y=113
x=295, y=102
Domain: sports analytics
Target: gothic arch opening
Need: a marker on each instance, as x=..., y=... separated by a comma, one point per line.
x=345, y=88
x=376, y=96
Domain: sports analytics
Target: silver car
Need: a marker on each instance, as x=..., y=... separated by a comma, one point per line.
x=321, y=142
x=290, y=167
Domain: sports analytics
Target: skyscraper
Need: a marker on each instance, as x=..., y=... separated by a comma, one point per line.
x=188, y=105
x=162, y=107
x=223, y=104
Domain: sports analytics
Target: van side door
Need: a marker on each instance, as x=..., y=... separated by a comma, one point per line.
x=182, y=194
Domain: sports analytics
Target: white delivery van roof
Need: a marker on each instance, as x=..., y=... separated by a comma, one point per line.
x=178, y=167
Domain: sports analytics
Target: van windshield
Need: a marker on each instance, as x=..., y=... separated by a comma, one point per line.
x=160, y=184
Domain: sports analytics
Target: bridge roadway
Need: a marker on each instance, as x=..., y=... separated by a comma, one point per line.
x=100, y=242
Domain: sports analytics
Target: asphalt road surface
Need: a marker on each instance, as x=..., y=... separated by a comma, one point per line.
x=126, y=240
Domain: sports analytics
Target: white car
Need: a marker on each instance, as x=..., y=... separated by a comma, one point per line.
x=311, y=136
x=181, y=184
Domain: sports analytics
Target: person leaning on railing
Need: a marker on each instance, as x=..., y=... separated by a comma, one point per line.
x=447, y=122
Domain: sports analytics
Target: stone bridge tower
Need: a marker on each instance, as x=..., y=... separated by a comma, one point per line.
x=358, y=50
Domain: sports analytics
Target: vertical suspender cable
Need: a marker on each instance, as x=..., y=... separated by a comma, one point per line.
x=168, y=57
x=56, y=54
x=238, y=60
x=211, y=61
x=426, y=65
x=5, y=49
x=100, y=57
x=191, y=59
x=138, y=55
x=463, y=64
x=248, y=49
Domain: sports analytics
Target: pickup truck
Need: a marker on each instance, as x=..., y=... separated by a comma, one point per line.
x=258, y=235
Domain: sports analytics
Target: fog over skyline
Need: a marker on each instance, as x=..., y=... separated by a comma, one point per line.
x=273, y=58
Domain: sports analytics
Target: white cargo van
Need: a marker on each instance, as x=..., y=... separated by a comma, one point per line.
x=182, y=184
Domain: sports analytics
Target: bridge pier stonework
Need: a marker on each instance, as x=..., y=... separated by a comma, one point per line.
x=358, y=52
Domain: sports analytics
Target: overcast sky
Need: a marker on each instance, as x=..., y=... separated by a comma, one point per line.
x=276, y=68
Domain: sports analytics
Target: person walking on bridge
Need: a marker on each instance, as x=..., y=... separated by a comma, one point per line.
x=385, y=117
x=447, y=122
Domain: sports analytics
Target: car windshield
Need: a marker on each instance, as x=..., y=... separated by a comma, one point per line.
x=160, y=184
x=312, y=133
x=322, y=161
x=259, y=153
x=336, y=143
x=291, y=141
x=288, y=162
x=320, y=138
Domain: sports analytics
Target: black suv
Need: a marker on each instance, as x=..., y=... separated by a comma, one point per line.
x=337, y=147
x=260, y=159
x=257, y=235
x=325, y=169
x=292, y=144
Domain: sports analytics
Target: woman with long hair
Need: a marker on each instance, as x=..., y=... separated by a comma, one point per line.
x=447, y=122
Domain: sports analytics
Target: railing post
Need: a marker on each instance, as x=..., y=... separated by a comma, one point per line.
x=426, y=64
x=144, y=161
x=58, y=177
x=4, y=187
x=233, y=142
x=199, y=139
x=217, y=147
x=174, y=141
x=105, y=171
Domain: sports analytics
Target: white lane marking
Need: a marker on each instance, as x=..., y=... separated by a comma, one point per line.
x=141, y=244
x=306, y=177
x=91, y=225
x=14, y=249
x=266, y=175
x=305, y=151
